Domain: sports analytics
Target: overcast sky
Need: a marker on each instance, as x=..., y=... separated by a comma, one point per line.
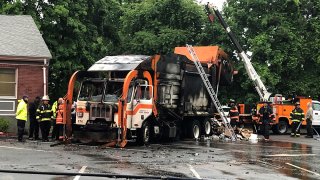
x=217, y=3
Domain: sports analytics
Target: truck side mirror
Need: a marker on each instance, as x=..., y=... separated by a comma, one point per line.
x=87, y=106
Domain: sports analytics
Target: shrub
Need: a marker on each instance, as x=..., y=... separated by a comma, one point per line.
x=4, y=124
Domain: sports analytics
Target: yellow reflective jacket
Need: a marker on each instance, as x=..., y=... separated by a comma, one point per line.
x=54, y=109
x=22, y=110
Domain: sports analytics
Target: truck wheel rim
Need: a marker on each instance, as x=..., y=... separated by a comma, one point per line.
x=207, y=127
x=282, y=128
x=196, y=131
x=146, y=134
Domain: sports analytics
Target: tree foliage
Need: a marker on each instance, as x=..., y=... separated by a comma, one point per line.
x=77, y=33
x=282, y=35
x=156, y=26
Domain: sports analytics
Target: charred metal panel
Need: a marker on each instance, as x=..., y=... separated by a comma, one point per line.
x=180, y=86
x=195, y=96
x=226, y=73
x=169, y=73
x=118, y=63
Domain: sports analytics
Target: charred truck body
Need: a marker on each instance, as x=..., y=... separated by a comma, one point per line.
x=144, y=98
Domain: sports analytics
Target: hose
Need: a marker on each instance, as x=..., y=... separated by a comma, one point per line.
x=89, y=174
x=316, y=132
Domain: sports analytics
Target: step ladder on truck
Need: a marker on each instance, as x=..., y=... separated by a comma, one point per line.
x=211, y=92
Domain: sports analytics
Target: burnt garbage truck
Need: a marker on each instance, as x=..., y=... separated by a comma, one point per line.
x=136, y=97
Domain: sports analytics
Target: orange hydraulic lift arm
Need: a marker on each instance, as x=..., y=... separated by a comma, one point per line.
x=68, y=104
x=122, y=114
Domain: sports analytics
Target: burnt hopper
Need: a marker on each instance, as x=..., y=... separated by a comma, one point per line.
x=180, y=87
x=169, y=74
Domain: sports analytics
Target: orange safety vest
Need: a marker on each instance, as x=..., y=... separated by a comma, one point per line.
x=234, y=114
x=59, y=119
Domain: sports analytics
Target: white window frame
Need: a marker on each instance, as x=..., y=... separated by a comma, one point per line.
x=16, y=85
x=13, y=107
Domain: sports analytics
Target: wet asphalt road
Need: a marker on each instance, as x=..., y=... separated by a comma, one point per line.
x=281, y=158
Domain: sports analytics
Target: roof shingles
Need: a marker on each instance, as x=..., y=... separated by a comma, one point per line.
x=19, y=36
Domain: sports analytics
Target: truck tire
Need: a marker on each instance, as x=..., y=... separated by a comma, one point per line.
x=144, y=134
x=280, y=128
x=206, y=126
x=195, y=129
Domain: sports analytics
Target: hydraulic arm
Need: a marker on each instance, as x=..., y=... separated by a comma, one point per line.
x=260, y=87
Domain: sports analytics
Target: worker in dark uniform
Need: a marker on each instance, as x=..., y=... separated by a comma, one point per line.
x=234, y=114
x=266, y=115
x=296, y=116
x=34, y=124
x=44, y=113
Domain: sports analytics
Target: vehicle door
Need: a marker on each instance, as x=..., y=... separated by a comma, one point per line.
x=142, y=104
x=316, y=113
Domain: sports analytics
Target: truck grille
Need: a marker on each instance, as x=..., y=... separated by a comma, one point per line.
x=101, y=112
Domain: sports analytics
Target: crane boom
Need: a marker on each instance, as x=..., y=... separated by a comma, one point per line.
x=253, y=75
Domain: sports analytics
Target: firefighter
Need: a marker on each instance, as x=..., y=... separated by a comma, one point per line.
x=44, y=113
x=57, y=119
x=22, y=116
x=34, y=124
x=296, y=117
x=309, y=118
x=234, y=114
x=266, y=115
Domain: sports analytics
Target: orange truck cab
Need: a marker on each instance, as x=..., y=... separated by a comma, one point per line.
x=281, y=110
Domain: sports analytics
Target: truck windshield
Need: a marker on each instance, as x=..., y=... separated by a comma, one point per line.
x=91, y=91
x=113, y=91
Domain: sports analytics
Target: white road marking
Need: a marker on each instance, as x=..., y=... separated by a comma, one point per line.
x=194, y=172
x=269, y=164
x=288, y=155
x=317, y=174
x=81, y=171
x=9, y=147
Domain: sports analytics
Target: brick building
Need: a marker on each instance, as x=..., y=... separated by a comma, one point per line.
x=24, y=60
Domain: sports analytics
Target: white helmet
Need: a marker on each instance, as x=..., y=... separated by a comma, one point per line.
x=45, y=98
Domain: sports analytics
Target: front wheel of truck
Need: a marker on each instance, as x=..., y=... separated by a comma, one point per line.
x=281, y=128
x=144, y=134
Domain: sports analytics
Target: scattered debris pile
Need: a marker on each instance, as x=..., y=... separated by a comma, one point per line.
x=242, y=133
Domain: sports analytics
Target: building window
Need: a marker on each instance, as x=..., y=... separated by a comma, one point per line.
x=7, y=82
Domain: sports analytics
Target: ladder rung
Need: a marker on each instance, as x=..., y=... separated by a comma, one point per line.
x=210, y=90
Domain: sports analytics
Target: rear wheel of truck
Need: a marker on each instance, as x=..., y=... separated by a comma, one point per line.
x=280, y=128
x=195, y=129
x=207, y=129
x=144, y=134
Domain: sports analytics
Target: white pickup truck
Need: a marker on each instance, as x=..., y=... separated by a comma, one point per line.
x=316, y=114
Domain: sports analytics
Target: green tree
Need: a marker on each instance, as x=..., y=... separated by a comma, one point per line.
x=284, y=38
x=156, y=26
x=77, y=33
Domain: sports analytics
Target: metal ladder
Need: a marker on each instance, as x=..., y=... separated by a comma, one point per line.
x=211, y=91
